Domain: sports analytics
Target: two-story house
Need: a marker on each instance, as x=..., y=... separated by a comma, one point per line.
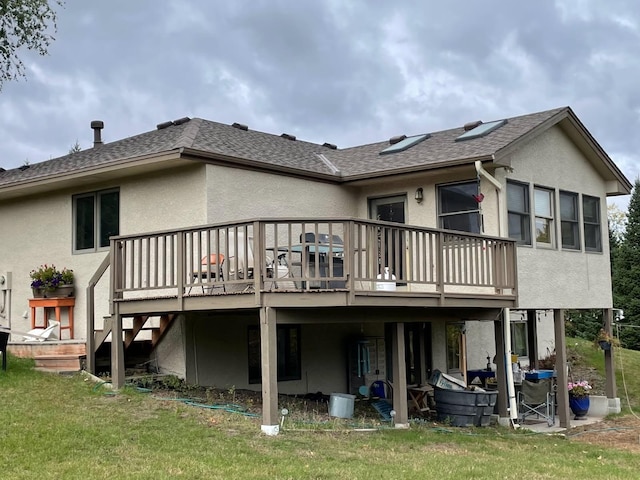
x=271, y=263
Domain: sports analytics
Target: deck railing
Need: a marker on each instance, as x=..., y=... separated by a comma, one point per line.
x=284, y=255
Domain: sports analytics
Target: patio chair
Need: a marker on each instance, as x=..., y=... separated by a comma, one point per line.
x=210, y=269
x=42, y=334
x=240, y=263
x=537, y=399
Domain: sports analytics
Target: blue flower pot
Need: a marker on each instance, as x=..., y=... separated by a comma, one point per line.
x=579, y=406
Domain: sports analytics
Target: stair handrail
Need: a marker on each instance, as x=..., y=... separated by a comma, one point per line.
x=91, y=321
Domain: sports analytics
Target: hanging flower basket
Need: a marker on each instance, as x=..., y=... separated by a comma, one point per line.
x=605, y=341
x=604, y=345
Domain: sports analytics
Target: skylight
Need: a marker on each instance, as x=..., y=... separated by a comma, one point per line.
x=481, y=130
x=403, y=145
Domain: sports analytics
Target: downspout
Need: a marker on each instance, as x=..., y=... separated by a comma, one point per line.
x=506, y=312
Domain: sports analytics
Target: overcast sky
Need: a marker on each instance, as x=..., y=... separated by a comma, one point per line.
x=339, y=71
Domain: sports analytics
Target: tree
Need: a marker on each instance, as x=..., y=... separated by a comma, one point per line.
x=626, y=278
x=75, y=148
x=23, y=24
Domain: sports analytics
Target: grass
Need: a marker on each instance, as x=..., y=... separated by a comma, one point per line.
x=627, y=363
x=65, y=427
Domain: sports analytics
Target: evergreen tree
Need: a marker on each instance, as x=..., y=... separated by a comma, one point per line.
x=626, y=278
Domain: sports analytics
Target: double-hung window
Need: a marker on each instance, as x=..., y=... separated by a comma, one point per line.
x=458, y=207
x=569, y=222
x=519, y=212
x=592, y=228
x=96, y=217
x=543, y=201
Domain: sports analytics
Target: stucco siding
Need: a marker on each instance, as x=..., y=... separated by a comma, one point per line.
x=40, y=232
x=552, y=277
x=235, y=194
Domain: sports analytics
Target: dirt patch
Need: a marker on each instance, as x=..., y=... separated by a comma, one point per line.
x=622, y=433
x=580, y=371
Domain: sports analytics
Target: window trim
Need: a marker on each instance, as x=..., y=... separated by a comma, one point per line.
x=460, y=350
x=524, y=215
x=519, y=324
x=476, y=211
x=96, y=195
x=575, y=223
x=598, y=248
x=550, y=219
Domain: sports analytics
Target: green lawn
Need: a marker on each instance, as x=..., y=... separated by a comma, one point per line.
x=64, y=427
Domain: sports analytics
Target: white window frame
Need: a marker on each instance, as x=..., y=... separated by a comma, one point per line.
x=544, y=217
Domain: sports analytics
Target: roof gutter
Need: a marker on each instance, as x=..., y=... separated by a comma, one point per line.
x=255, y=165
x=418, y=168
x=67, y=178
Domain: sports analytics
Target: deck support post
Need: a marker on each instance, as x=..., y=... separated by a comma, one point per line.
x=562, y=394
x=400, y=404
x=532, y=339
x=609, y=365
x=269, y=352
x=117, y=350
x=501, y=375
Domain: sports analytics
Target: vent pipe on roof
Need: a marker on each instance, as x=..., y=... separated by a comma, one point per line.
x=162, y=125
x=396, y=139
x=330, y=145
x=240, y=126
x=97, y=126
x=288, y=136
x=472, y=125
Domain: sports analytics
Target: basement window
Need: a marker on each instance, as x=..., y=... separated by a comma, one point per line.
x=481, y=130
x=405, y=144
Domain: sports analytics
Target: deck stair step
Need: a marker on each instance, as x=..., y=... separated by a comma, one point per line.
x=60, y=362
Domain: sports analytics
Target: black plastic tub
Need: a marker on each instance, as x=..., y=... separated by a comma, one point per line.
x=463, y=408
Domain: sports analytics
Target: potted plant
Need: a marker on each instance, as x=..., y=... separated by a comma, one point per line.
x=604, y=340
x=579, y=398
x=48, y=281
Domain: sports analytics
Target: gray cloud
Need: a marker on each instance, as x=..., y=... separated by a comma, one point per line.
x=326, y=71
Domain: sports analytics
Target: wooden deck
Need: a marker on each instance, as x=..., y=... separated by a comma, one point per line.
x=310, y=262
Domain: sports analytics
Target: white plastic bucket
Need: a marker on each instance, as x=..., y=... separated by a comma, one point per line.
x=341, y=405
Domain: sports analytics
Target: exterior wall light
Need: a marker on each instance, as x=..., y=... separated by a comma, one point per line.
x=419, y=196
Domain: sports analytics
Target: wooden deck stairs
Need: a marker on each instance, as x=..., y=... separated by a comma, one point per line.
x=139, y=324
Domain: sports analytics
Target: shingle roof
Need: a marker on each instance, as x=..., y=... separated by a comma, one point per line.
x=440, y=147
x=272, y=151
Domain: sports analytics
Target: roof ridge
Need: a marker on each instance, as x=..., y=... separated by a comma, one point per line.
x=189, y=133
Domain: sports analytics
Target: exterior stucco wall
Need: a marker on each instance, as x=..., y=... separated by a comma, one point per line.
x=219, y=354
x=38, y=230
x=552, y=277
x=169, y=355
x=217, y=348
x=481, y=341
x=425, y=213
x=235, y=194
